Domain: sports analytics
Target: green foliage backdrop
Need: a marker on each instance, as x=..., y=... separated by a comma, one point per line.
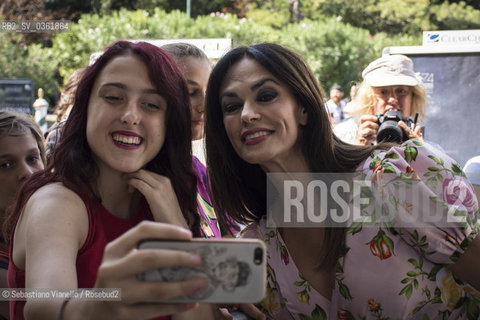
x=19, y=60
x=337, y=52
x=338, y=38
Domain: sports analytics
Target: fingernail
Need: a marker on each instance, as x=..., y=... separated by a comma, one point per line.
x=199, y=285
x=195, y=259
x=185, y=232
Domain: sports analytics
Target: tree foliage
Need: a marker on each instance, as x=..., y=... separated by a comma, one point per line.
x=337, y=52
x=337, y=37
x=198, y=7
x=19, y=60
x=394, y=17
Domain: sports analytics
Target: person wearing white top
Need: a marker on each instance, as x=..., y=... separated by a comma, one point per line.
x=335, y=105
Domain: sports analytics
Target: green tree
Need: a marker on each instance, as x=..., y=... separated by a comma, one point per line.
x=198, y=7
x=337, y=52
x=394, y=16
x=455, y=16
x=473, y=3
x=337, y=37
x=19, y=60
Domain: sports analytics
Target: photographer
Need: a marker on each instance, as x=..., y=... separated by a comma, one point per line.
x=389, y=84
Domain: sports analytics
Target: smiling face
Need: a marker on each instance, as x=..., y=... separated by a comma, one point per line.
x=393, y=98
x=196, y=71
x=261, y=117
x=19, y=159
x=126, y=116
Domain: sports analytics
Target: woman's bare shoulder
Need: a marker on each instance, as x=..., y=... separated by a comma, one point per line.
x=51, y=210
x=55, y=202
x=54, y=191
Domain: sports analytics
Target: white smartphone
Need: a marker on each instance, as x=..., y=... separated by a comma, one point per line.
x=235, y=269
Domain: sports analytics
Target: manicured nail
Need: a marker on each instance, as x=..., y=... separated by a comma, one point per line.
x=195, y=259
x=186, y=232
x=199, y=284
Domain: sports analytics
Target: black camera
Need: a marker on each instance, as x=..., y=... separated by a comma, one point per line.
x=389, y=131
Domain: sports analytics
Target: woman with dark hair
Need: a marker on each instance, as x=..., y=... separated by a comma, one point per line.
x=124, y=158
x=265, y=116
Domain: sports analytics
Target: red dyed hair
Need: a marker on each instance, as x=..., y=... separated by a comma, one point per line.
x=73, y=163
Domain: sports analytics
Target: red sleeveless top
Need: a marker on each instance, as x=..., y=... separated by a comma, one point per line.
x=103, y=227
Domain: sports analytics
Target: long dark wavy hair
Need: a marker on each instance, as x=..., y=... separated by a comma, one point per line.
x=73, y=163
x=238, y=187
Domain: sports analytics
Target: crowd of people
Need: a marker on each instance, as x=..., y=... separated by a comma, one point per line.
x=121, y=170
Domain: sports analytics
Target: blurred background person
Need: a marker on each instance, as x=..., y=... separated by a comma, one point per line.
x=22, y=152
x=389, y=83
x=62, y=110
x=336, y=105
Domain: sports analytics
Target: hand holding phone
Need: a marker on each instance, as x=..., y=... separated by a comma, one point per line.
x=235, y=269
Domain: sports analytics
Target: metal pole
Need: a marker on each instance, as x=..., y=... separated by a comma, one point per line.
x=188, y=8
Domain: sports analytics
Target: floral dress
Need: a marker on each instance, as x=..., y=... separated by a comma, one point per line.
x=388, y=272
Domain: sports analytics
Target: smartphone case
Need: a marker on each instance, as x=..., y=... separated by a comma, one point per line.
x=235, y=269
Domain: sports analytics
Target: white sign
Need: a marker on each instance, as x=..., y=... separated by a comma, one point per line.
x=214, y=48
x=458, y=37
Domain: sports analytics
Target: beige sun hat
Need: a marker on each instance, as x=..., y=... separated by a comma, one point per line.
x=391, y=70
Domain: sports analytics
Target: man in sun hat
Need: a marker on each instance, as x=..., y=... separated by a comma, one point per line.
x=390, y=83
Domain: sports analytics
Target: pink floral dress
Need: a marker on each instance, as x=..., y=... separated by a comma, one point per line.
x=388, y=272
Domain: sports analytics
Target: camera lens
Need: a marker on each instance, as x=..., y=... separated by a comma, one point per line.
x=258, y=255
x=390, y=132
